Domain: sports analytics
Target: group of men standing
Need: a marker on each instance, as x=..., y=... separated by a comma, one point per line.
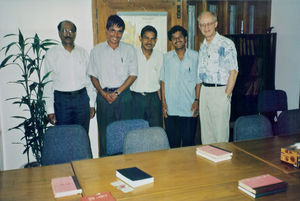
x=128, y=82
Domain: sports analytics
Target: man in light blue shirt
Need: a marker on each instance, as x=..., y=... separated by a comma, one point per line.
x=113, y=68
x=217, y=71
x=180, y=90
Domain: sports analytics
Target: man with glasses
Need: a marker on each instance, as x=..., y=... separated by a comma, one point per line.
x=113, y=68
x=180, y=90
x=69, y=94
x=146, y=88
x=217, y=71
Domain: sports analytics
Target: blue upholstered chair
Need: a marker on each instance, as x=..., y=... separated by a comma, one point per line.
x=288, y=122
x=65, y=143
x=145, y=139
x=270, y=102
x=252, y=127
x=115, y=133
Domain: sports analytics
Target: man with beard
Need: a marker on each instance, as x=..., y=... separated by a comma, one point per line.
x=146, y=88
x=113, y=68
x=69, y=94
x=180, y=90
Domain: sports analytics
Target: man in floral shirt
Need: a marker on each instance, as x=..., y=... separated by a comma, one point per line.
x=217, y=70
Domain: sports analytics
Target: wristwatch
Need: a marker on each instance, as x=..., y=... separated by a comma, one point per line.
x=116, y=92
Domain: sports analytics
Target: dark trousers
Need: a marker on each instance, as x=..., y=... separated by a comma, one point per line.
x=72, y=108
x=147, y=107
x=181, y=129
x=108, y=113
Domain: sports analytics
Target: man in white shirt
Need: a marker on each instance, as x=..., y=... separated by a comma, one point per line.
x=113, y=68
x=69, y=94
x=146, y=88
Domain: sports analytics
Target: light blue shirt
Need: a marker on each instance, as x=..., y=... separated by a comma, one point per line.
x=180, y=79
x=216, y=60
x=112, y=67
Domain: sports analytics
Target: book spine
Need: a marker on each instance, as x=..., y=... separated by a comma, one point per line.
x=76, y=182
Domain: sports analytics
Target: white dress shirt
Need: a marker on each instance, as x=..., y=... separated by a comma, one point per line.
x=68, y=72
x=148, y=72
x=112, y=66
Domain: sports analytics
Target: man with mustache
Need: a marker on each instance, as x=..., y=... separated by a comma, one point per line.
x=69, y=94
x=180, y=90
x=146, y=88
x=113, y=68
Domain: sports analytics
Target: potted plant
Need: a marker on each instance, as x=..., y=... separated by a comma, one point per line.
x=28, y=55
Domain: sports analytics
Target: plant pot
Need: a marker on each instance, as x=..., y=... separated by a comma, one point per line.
x=32, y=164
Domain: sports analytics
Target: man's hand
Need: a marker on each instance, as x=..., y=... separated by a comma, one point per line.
x=92, y=112
x=113, y=97
x=195, y=108
x=107, y=97
x=165, y=110
x=52, y=118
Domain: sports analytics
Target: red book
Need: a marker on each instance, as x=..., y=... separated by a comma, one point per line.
x=65, y=186
x=106, y=196
x=213, y=153
x=262, y=184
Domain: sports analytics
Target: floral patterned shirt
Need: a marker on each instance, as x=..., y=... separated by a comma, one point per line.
x=216, y=60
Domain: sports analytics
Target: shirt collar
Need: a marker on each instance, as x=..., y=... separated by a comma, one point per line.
x=214, y=40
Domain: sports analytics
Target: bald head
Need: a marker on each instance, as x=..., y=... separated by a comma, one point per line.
x=207, y=14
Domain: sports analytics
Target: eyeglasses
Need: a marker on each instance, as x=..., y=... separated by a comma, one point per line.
x=68, y=31
x=207, y=24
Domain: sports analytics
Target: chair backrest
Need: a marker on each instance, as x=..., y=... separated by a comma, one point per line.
x=272, y=101
x=252, y=127
x=145, y=139
x=288, y=122
x=115, y=133
x=65, y=143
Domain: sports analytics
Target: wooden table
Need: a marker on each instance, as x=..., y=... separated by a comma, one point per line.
x=268, y=150
x=33, y=184
x=179, y=174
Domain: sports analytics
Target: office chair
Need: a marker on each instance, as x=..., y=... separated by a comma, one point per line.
x=65, y=143
x=270, y=102
x=252, y=127
x=145, y=139
x=115, y=133
x=288, y=122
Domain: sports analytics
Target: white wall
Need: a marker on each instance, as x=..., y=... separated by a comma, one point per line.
x=42, y=17
x=285, y=19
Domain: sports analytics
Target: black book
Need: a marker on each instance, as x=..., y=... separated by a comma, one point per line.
x=134, y=176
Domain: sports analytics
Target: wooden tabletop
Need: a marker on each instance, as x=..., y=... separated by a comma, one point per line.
x=268, y=150
x=180, y=174
x=33, y=184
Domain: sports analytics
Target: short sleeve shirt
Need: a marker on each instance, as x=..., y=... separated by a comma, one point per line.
x=180, y=79
x=216, y=60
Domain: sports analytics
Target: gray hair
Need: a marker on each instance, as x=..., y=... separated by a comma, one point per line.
x=207, y=12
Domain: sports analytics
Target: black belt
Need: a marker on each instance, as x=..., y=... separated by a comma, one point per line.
x=212, y=85
x=144, y=93
x=71, y=92
x=106, y=89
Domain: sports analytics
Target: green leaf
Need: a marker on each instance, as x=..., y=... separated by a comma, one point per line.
x=3, y=63
x=19, y=117
x=21, y=41
x=33, y=86
x=46, y=75
x=36, y=44
x=9, y=46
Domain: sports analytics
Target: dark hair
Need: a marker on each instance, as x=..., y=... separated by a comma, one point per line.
x=68, y=21
x=176, y=28
x=149, y=28
x=115, y=20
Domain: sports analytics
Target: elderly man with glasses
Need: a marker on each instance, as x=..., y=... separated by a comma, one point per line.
x=217, y=70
